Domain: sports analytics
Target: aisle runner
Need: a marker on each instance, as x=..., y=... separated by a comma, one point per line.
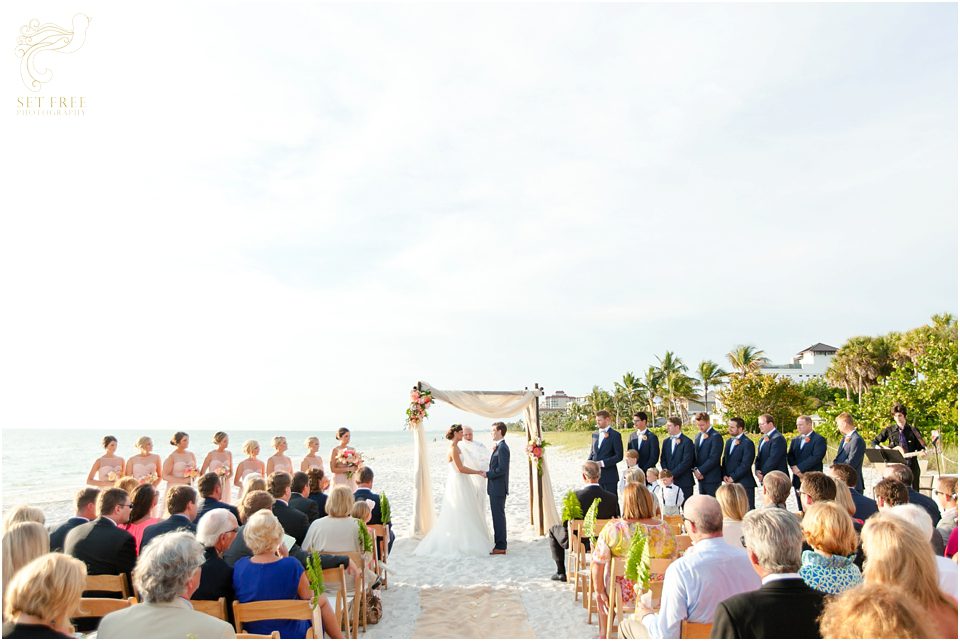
x=471, y=613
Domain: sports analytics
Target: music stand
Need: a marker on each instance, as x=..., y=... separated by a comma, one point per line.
x=881, y=457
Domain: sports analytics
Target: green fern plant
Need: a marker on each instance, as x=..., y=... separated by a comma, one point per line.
x=590, y=522
x=366, y=541
x=384, y=509
x=571, y=507
x=638, y=560
x=315, y=578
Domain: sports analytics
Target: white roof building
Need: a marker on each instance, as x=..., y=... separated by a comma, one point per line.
x=811, y=362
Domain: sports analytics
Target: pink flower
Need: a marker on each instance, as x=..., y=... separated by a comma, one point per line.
x=414, y=395
x=537, y=452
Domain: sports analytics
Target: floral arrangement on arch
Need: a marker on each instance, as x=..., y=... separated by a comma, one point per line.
x=350, y=456
x=420, y=401
x=535, y=448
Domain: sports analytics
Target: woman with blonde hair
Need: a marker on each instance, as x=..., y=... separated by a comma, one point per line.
x=734, y=505
x=249, y=465
x=899, y=557
x=145, y=465
x=22, y=543
x=873, y=612
x=311, y=461
x=252, y=483
x=338, y=531
x=23, y=514
x=220, y=460
x=845, y=499
x=279, y=462
x=829, y=566
x=42, y=597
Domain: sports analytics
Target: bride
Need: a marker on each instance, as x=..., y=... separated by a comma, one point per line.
x=461, y=527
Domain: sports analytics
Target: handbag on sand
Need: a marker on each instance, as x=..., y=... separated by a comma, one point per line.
x=374, y=607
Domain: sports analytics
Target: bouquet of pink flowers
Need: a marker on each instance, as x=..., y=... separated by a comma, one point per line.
x=535, y=448
x=148, y=479
x=191, y=472
x=352, y=457
x=223, y=470
x=420, y=400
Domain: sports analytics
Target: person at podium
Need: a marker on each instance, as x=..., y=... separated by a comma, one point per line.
x=902, y=434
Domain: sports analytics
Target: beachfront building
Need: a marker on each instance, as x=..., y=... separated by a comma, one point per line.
x=811, y=362
x=557, y=402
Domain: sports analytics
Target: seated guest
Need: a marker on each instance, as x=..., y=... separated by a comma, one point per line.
x=890, y=492
x=42, y=597
x=182, y=506
x=734, y=505
x=694, y=584
x=669, y=496
x=102, y=544
x=316, y=483
x=776, y=489
x=216, y=531
x=614, y=540
x=86, y=502
x=866, y=506
x=784, y=607
x=294, y=521
x=845, y=500
x=364, y=492
x=608, y=508
x=210, y=487
x=946, y=497
x=898, y=557
x=815, y=488
x=252, y=483
x=252, y=503
x=22, y=543
x=269, y=575
x=166, y=576
x=829, y=567
x=126, y=483
x=904, y=474
x=337, y=531
x=22, y=514
x=873, y=612
x=144, y=500
x=299, y=491
x=951, y=550
x=946, y=569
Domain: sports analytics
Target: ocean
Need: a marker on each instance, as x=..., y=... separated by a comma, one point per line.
x=45, y=468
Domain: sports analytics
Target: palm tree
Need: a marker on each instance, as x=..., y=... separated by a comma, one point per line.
x=672, y=372
x=684, y=389
x=598, y=399
x=861, y=362
x=649, y=389
x=710, y=375
x=746, y=359
x=626, y=394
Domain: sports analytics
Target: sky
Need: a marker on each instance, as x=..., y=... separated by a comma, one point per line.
x=286, y=214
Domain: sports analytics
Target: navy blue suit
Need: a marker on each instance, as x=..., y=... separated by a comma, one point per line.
x=649, y=449
x=708, y=449
x=498, y=478
x=679, y=462
x=608, y=451
x=209, y=503
x=738, y=465
x=851, y=453
x=376, y=518
x=58, y=536
x=808, y=458
x=174, y=522
x=772, y=455
x=866, y=507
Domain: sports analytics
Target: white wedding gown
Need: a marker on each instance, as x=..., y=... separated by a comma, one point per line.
x=461, y=529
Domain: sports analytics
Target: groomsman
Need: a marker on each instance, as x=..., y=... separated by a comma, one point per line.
x=607, y=450
x=851, y=448
x=707, y=453
x=738, y=459
x=772, y=452
x=645, y=442
x=677, y=456
x=806, y=452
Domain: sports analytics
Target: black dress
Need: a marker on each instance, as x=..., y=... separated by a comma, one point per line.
x=33, y=631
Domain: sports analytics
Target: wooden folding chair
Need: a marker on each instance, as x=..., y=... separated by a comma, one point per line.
x=247, y=635
x=658, y=567
x=381, y=546
x=695, y=630
x=294, y=609
x=683, y=543
x=576, y=554
x=216, y=608
x=100, y=607
x=337, y=576
x=615, y=606
x=589, y=603
x=358, y=605
x=675, y=521
x=107, y=583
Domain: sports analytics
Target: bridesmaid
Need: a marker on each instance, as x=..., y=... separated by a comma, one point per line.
x=311, y=461
x=108, y=467
x=340, y=471
x=249, y=465
x=279, y=462
x=180, y=463
x=220, y=461
x=142, y=465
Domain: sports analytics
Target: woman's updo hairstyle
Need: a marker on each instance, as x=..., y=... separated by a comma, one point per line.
x=456, y=427
x=218, y=437
x=341, y=432
x=177, y=438
x=107, y=440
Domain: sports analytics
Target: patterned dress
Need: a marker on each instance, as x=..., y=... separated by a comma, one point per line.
x=831, y=574
x=614, y=541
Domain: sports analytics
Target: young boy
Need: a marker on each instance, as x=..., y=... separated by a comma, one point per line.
x=653, y=475
x=630, y=458
x=669, y=495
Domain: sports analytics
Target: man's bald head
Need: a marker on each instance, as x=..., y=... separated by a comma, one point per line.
x=706, y=515
x=467, y=433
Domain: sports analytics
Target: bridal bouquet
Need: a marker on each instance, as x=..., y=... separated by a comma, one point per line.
x=350, y=456
x=535, y=448
x=420, y=400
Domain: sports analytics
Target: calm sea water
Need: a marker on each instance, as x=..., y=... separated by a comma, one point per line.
x=45, y=468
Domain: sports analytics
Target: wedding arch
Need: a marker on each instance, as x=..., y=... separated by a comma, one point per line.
x=493, y=405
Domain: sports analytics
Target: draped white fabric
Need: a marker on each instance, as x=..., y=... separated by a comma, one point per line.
x=423, y=515
x=550, y=515
x=486, y=404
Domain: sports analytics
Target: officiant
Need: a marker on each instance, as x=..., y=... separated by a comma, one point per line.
x=906, y=436
x=475, y=455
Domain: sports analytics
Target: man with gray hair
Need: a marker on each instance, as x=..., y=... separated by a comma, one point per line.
x=694, y=584
x=916, y=516
x=216, y=531
x=785, y=606
x=166, y=575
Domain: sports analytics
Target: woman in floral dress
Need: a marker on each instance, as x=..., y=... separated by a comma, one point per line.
x=829, y=566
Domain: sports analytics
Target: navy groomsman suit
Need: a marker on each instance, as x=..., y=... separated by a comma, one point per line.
x=707, y=454
x=677, y=456
x=607, y=451
x=738, y=464
x=851, y=452
x=807, y=456
x=772, y=453
x=648, y=446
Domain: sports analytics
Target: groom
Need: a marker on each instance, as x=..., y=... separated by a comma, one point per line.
x=497, y=478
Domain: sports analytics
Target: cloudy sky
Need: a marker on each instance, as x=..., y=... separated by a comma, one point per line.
x=285, y=215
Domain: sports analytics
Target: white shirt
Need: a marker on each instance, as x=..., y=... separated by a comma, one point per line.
x=780, y=577
x=696, y=583
x=947, y=570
